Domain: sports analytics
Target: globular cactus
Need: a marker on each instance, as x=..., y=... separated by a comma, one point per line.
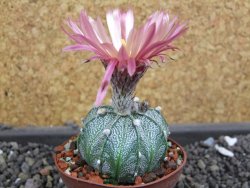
x=127, y=138
x=123, y=144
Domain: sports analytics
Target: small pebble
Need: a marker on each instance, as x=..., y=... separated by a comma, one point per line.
x=75, y=151
x=59, y=148
x=180, y=184
x=68, y=159
x=36, y=151
x=230, y=140
x=224, y=151
x=67, y=146
x=89, y=168
x=73, y=166
x=67, y=171
x=49, y=178
x=73, y=145
x=179, y=162
x=30, y=183
x=45, y=171
x=160, y=172
x=14, y=145
x=60, y=180
x=172, y=165
x=80, y=174
x=245, y=185
x=214, y=168
x=209, y=142
x=149, y=177
x=171, y=154
x=17, y=181
x=30, y=161
x=201, y=164
x=2, y=161
x=169, y=144
x=138, y=180
x=12, y=155
x=23, y=176
x=49, y=184
x=25, y=168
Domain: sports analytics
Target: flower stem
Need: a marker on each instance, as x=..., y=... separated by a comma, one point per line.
x=123, y=86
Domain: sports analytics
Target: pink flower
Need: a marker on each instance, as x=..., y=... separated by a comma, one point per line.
x=127, y=47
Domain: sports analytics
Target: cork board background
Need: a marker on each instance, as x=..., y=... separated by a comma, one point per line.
x=41, y=85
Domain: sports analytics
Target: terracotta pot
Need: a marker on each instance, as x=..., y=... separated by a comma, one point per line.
x=168, y=181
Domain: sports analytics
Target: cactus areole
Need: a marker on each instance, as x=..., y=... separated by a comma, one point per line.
x=128, y=138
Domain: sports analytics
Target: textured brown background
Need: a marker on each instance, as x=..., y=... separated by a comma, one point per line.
x=209, y=82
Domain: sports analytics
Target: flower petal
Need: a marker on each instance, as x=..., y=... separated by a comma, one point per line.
x=131, y=66
x=105, y=82
x=75, y=37
x=78, y=47
x=135, y=40
x=114, y=25
x=178, y=31
x=110, y=49
x=100, y=30
x=122, y=58
x=129, y=23
x=74, y=27
x=99, y=49
x=95, y=57
x=158, y=50
x=157, y=46
x=87, y=27
x=122, y=54
x=147, y=41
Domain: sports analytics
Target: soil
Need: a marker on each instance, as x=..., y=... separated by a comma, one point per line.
x=71, y=163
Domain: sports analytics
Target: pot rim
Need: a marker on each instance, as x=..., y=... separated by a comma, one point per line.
x=179, y=168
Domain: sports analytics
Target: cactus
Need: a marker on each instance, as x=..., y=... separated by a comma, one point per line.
x=123, y=146
x=123, y=143
x=127, y=138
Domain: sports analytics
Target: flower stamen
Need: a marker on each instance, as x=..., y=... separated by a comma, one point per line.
x=124, y=43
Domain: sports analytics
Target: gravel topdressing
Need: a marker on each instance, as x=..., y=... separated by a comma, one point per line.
x=206, y=167
x=32, y=166
x=29, y=166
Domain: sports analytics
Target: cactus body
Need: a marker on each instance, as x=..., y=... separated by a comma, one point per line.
x=123, y=146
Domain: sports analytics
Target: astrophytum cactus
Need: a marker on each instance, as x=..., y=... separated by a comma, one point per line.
x=128, y=138
x=123, y=144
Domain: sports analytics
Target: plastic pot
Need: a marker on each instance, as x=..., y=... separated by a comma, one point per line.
x=168, y=181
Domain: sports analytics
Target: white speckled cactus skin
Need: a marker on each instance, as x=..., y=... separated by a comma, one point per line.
x=123, y=146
